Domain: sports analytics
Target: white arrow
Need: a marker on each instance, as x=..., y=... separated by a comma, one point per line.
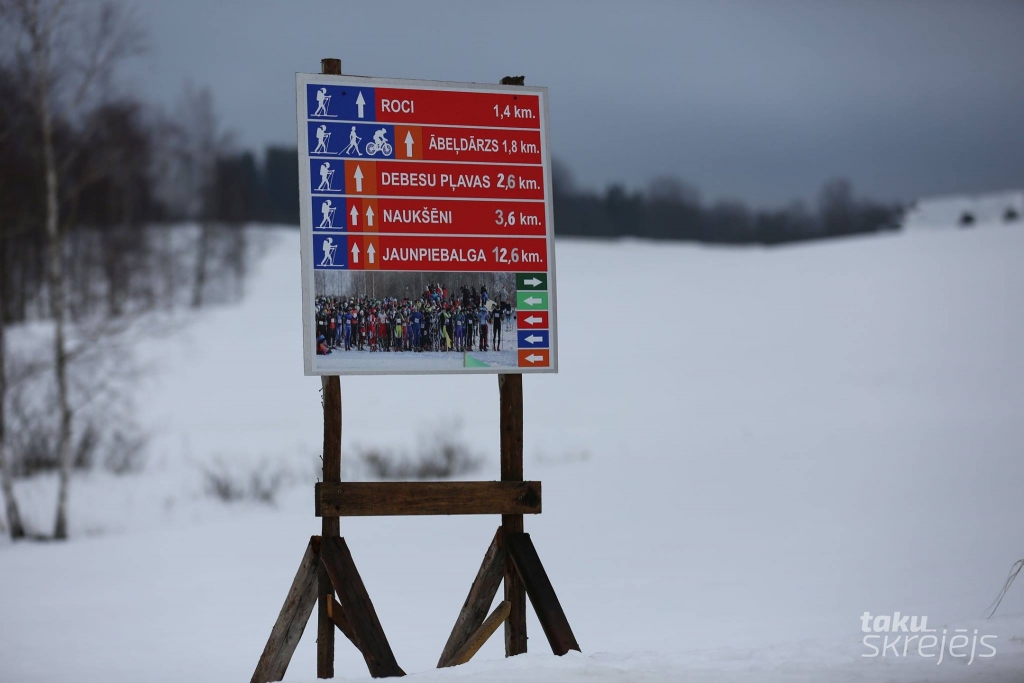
x=533, y=339
x=534, y=359
x=358, y=175
x=533, y=320
x=354, y=214
x=533, y=282
x=408, y=144
x=370, y=252
x=360, y=102
x=532, y=301
x=355, y=253
x=369, y=216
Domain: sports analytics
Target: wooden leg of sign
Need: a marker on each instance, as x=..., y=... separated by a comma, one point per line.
x=510, y=390
x=331, y=526
x=481, y=593
x=369, y=635
x=332, y=473
x=524, y=556
x=292, y=620
x=480, y=635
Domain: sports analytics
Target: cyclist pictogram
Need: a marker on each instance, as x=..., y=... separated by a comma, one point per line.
x=379, y=144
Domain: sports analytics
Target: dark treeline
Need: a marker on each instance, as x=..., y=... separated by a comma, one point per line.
x=672, y=210
x=254, y=192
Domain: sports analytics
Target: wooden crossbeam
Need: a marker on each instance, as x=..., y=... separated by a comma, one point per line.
x=480, y=636
x=291, y=621
x=542, y=595
x=481, y=594
x=353, y=499
x=369, y=635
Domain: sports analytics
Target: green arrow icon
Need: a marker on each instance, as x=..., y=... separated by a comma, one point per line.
x=534, y=281
x=532, y=301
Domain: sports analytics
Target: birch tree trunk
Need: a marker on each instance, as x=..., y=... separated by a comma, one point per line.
x=14, y=525
x=71, y=50
x=202, y=248
x=55, y=274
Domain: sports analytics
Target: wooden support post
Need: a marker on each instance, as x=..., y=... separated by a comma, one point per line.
x=292, y=619
x=330, y=66
x=480, y=636
x=523, y=555
x=369, y=635
x=510, y=390
x=481, y=593
x=330, y=526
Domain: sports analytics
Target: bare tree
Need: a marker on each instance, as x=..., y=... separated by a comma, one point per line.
x=194, y=142
x=671, y=190
x=67, y=53
x=837, y=207
x=15, y=527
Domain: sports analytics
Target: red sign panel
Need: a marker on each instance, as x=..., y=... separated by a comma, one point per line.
x=394, y=105
x=443, y=216
x=433, y=143
x=533, y=358
x=428, y=179
x=446, y=254
x=535, y=320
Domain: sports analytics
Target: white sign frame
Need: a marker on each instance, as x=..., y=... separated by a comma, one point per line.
x=306, y=245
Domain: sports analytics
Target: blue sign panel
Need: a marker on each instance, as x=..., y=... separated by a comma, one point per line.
x=329, y=213
x=327, y=176
x=533, y=339
x=330, y=252
x=351, y=140
x=340, y=103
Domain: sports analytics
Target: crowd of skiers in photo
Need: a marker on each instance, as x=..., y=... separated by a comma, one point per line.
x=438, y=321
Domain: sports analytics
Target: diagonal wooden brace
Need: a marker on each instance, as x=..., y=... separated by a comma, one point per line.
x=369, y=635
x=291, y=621
x=542, y=595
x=336, y=613
x=479, y=637
x=481, y=593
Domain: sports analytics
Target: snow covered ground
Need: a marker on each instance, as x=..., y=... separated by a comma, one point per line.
x=743, y=452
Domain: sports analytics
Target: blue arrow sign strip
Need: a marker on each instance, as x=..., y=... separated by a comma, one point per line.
x=340, y=103
x=533, y=339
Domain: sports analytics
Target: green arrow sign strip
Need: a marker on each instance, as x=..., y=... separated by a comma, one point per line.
x=532, y=281
x=532, y=301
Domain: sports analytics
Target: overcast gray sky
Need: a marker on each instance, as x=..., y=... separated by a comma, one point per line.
x=758, y=100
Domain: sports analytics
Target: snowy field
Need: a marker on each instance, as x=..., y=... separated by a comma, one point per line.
x=771, y=443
